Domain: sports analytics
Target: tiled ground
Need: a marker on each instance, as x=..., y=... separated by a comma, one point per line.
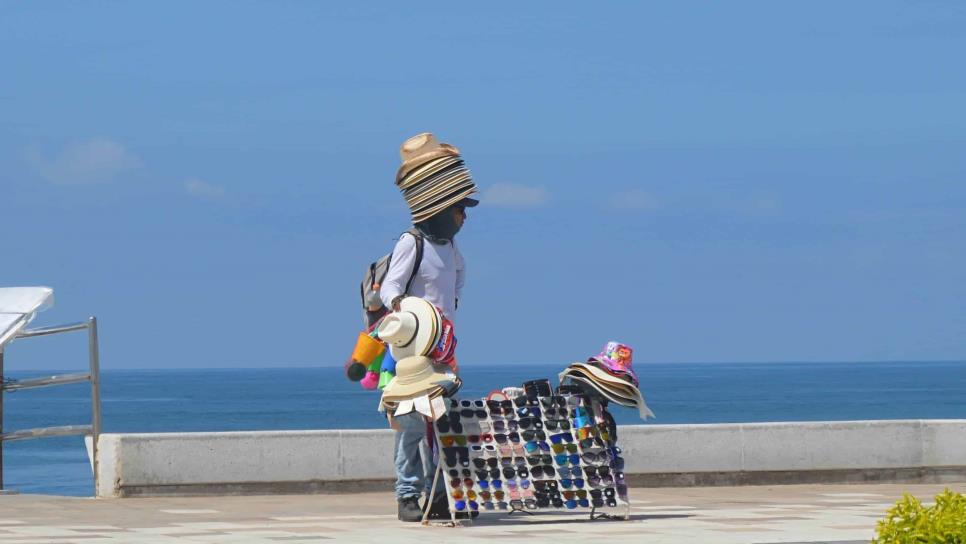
x=740, y=515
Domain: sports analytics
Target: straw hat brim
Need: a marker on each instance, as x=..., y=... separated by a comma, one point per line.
x=425, y=214
x=427, y=332
x=620, y=387
x=621, y=392
x=428, y=170
x=438, y=391
x=604, y=375
x=433, y=196
x=605, y=392
x=427, y=380
x=444, y=150
x=432, y=189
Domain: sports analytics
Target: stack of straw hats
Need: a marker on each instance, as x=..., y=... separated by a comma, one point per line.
x=413, y=334
x=432, y=177
x=611, y=375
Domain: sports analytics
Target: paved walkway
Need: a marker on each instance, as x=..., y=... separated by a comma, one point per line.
x=746, y=515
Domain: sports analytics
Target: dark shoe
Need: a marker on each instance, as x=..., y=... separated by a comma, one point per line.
x=409, y=509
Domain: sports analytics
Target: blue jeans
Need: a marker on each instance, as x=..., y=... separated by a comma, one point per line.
x=415, y=466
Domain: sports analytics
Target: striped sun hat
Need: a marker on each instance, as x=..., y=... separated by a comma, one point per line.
x=432, y=177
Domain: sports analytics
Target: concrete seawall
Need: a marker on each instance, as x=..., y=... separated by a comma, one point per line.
x=913, y=451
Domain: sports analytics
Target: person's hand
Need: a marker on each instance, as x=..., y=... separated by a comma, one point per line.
x=396, y=301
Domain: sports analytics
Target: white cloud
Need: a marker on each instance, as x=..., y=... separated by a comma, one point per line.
x=512, y=195
x=97, y=160
x=636, y=200
x=197, y=187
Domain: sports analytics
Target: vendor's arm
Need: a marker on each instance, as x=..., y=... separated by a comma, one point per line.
x=400, y=268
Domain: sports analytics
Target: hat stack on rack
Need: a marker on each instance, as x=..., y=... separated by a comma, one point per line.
x=433, y=177
x=610, y=375
x=413, y=334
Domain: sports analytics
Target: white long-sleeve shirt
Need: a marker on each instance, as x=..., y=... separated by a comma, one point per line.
x=439, y=280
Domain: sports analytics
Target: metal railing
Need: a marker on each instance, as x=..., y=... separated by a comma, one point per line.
x=93, y=376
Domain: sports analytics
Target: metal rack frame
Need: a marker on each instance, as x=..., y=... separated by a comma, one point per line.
x=93, y=376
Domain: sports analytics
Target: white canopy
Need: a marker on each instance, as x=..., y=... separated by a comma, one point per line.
x=18, y=305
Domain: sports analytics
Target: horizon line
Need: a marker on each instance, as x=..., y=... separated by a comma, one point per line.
x=506, y=364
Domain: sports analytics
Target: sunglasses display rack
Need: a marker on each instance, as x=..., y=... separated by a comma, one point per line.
x=538, y=451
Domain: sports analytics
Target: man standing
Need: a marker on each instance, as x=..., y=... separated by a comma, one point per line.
x=436, y=185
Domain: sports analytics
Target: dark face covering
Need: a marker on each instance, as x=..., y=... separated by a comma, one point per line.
x=440, y=228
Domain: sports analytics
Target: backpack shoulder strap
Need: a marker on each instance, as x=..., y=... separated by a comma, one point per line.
x=419, y=256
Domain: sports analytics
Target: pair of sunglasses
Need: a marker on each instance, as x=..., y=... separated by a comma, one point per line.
x=531, y=436
x=461, y=505
x=560, y=448
x=505, y=425
x=567, y=483
x=461, y=452
x=537, y=388
x=533, y=447
x=570, y=472
x=579, y=494
x=591, y=458
x=512, y=461
x=453, y=439
x=499, y=405
x=512, y=484
x=492, y=484
x=561, y=437
x=471, y=412
x=557, y=424
x=460, y=482
x=545, y=471
x=547, y=494
x=479, y=462
x=445, y=426
x=571, y=503
x=483, y=448
x=527, y=422
x=600, y=481
x=504, y=438
x=521, y=472
x=476, y=438
x=540, y=459
x=498, y=495
x=545, y=485
x=553, y=400
x=483, y=475
x=459, y=494
x=564, y=459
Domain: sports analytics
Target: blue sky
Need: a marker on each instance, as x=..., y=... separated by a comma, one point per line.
x=747, y=181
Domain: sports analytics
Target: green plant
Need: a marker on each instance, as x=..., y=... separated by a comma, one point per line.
x=909, y=522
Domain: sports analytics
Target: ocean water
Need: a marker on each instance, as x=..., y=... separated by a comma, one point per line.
x=321, y=398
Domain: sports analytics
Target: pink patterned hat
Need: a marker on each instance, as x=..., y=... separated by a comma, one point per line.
x=616, y=358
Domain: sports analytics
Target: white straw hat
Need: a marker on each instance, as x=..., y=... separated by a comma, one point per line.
x=412, y=331
x=417, y=376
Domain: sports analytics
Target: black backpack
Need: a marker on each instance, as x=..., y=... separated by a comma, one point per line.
x=372, y=307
